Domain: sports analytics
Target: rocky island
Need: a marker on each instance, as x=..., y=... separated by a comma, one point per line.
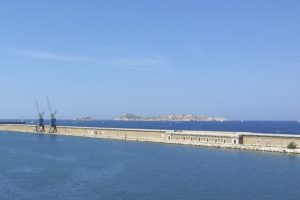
x=84, y=119
x=178, y=117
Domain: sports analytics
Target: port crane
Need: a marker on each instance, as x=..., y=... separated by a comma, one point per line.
x=40, y=126
x=53, y=128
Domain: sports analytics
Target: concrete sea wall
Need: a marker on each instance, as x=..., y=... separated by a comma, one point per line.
x=233, y=140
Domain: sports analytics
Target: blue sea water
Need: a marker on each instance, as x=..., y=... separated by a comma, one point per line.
x=35, y=167
x=279, y=127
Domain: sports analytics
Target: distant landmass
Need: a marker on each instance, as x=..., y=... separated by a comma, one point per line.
x=84, y=119
x=178, y=117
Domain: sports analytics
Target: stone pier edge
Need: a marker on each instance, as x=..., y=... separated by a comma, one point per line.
x=217, y=139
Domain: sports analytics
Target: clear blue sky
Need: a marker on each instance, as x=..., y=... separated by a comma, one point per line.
x=237, y=59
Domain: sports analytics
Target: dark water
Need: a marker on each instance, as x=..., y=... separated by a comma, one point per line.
x=40, y=167
x=280, y=127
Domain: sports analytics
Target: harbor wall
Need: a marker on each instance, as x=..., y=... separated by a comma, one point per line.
x=270, y=140
x=233, y=140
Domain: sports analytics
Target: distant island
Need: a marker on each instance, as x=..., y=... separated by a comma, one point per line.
x=178, y=117
x=84, y=119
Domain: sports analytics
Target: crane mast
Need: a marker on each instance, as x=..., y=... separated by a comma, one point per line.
x=53, y=128
x=40, y=127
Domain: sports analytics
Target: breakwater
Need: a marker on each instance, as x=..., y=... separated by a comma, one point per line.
x=218, y=139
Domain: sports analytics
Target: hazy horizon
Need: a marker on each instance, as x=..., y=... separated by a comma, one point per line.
x=46, y=117
x=234, y=59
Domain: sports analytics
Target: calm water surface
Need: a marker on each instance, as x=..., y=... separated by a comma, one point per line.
x=280, y=127
x=36, y=167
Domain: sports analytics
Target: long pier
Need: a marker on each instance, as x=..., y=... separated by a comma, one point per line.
x=218, y=139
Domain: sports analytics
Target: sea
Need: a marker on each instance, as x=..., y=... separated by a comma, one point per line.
x=277, y=127
x=47, y=167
